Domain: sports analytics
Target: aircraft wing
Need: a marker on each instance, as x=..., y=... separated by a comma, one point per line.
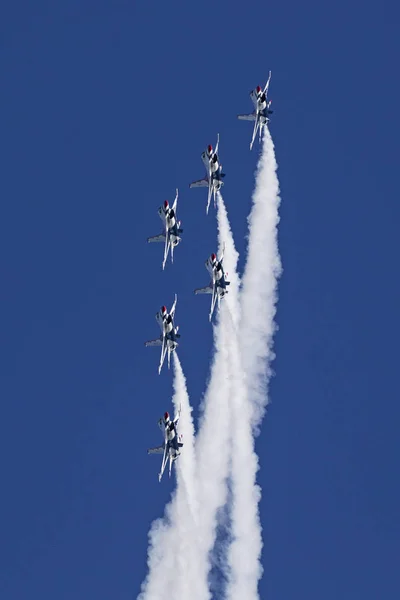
x=213, y=301
x=167, y=245
x=173, y=307
x=267, y=84
x=156, y=342
x=251, y=117
x=175, y=202
x=204, y=290
x=217, y=144
x=157, y=238
x=210, y=191
x=199, y=183
x=163, y=353
x=165, y=456
x=164, y=463
x=256, y=126
x=169, y=355
x=172, y=251
x=156, y=450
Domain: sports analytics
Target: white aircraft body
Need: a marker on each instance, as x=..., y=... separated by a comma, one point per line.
x=261, y=110
x=169, y=334
x=213, y=180
x=218, y=283
x=170, y=449
x=172, y=229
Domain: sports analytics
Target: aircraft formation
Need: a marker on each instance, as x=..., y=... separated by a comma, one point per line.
x=171, y=237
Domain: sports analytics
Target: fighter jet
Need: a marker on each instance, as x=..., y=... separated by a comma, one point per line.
x=261, y=112
x=172, y=231
x=214, y=173
x=169, y=333
x=218, y=283
x=170, y=449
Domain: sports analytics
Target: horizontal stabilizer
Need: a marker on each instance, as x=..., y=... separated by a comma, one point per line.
x=157, y=238
x=156, y=450
x=251, y=117
x=156, y=342
x=199, y=183
x=205, y=290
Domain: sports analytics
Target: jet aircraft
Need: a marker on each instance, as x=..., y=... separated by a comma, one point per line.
x=218, y=283
x=170, y=449
x=261, y=112
x=214, y=173
x=169, y=334
x=171, y=234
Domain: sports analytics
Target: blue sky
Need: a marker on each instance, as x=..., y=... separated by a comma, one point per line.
x=106, y=107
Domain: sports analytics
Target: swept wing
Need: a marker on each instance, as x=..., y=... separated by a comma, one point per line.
x=165, y=456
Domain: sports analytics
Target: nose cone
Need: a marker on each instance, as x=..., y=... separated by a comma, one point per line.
x=213, y=257
x=166, y=416
x=166, y=204
x=209, y=148
x=163, y=310
x=258, y=89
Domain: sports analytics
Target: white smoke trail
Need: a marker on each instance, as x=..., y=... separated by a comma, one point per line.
x=186, y=464
x=243, y=567
x=213, y=447
x=225, y=239
x=262, y=270
x=235, y=401
x=172, y=559
x=258, y=299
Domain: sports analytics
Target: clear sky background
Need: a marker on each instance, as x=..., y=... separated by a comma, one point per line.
x=106, y=106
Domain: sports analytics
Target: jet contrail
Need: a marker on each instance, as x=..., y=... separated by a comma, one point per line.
x=172, y=559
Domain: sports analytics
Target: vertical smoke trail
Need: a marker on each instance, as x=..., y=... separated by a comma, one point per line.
x=213, y=449
x=243, y=555
x=262, y=270
x=213, y=446
x=172, y=556
x=234, y=402
x=258, y=300
x=186, y=464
